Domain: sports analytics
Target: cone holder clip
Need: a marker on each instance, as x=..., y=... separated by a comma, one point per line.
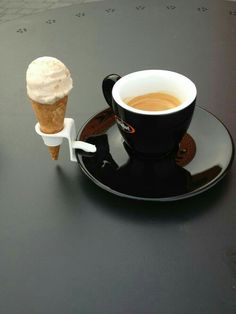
x=69, y=133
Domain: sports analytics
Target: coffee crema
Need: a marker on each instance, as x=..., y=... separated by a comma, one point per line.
x=153, y=101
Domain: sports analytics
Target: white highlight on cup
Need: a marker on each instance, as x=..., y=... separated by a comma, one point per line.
x=151, y=81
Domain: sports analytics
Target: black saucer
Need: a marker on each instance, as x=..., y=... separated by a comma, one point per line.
x=204, y=157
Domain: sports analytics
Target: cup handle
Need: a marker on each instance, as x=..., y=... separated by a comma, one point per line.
x=107, y=85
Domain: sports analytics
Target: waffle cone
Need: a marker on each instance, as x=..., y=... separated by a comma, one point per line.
x=54, y=151
x=51, y=119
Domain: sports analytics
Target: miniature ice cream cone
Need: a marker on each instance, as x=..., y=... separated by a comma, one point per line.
x=51, y=120
x=48, y=85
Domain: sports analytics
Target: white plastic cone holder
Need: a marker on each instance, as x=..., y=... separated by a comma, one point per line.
x=69, y=133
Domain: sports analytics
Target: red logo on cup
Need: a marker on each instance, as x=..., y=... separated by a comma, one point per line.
x=124, y=125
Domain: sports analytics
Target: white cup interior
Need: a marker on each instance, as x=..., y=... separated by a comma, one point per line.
x=150, y=81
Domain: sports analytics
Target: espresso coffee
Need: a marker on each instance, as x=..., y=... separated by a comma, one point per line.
x=153, y=101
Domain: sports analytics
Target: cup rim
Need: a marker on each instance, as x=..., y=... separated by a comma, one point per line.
x=119, y=100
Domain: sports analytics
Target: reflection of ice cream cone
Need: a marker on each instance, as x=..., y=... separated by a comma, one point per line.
x=48, y=85
x=51, y=119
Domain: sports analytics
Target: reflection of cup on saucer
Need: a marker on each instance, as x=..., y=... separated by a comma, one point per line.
x=153, y=108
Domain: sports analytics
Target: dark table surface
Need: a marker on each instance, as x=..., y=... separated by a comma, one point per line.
x=67, y=246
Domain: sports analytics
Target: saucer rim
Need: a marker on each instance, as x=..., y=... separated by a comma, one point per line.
x=201, y=190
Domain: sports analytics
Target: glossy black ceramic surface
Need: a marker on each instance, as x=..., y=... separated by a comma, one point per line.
x=140, y=131
x=118, y=170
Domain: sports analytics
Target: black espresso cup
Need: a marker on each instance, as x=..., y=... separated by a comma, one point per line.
x=146, y=131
